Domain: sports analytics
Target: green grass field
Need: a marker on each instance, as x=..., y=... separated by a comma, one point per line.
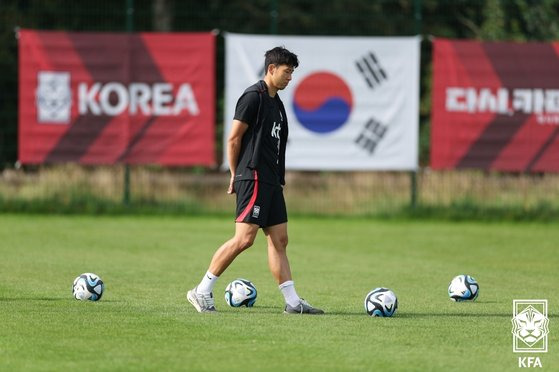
x=144, y=322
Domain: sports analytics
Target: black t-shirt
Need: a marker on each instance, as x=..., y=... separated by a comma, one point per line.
x=272, y=123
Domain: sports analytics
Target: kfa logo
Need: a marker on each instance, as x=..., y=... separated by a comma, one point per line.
x=529, y=362
x=53, y=97
x=256, y=211
x=276, y=130
x=530, y=328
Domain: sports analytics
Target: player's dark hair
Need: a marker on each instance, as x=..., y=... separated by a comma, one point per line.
x=280, y=56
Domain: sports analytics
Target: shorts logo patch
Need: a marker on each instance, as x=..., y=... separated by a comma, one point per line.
x=256, y=211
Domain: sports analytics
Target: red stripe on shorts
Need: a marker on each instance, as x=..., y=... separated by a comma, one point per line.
x=251, y=201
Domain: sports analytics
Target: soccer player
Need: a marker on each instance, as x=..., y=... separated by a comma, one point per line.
x=256, y=153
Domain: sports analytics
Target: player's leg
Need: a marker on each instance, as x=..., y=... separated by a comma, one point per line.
x=279, y=266
x=201, y=296
x=276, y=234
x=245, y=233
x=277, y=252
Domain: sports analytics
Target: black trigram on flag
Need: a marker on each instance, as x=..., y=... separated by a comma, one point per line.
x=370, y=136
x=371, y=70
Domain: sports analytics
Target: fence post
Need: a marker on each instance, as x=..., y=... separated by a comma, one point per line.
x=413, y=181
x=413, y=174
x=129, y=28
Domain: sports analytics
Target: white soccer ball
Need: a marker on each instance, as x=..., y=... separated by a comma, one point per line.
x=463, y=288
x=240, y=292
x=381, y=302
x=88, y=286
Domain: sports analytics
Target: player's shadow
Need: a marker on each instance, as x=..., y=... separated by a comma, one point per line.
x=349, y=313
x=275, y=309
x=255, y=309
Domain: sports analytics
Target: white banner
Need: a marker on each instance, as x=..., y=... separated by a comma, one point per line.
x=353, y=103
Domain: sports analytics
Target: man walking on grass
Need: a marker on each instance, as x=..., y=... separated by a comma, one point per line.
x=256, y=153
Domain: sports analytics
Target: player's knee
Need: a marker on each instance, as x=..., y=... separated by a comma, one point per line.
x=281, y=243
x=245, y=242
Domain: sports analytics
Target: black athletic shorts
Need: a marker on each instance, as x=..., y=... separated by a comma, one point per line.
x=260, y=203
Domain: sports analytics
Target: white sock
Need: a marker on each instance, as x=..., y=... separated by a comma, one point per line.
x=207, y=283
x=288, y=291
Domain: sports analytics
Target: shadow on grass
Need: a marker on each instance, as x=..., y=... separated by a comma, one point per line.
x=252, y=310
x=15, y=299
x=412, y=315
x=24, y=299
x=462, y=314
x=454, y=315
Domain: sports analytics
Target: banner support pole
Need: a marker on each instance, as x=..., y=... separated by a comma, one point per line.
x=129, y=28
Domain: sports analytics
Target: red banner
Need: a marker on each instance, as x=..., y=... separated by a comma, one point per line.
x=105, y=98
x=495, y=106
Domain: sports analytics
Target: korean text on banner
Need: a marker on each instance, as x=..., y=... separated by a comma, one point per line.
x=495, y=106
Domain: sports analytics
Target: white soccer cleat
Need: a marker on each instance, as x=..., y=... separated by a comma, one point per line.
x=202, y=302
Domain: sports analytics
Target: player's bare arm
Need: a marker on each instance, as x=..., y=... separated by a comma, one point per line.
x=233, y=148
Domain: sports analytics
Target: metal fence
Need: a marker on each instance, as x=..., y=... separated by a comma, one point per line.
x=100, y=188
x=307, y=192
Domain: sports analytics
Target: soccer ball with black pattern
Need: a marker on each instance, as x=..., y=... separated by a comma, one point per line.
x=88, y=286
x=240, y=292
x=381, y=302
x=463, y=288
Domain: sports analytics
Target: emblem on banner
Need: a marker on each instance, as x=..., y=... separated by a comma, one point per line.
x=372, y=71
x=370, y=136
x=352, y=102
x=530, y=326
x=322, y=102
x=53, y=97
x=374, y=75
